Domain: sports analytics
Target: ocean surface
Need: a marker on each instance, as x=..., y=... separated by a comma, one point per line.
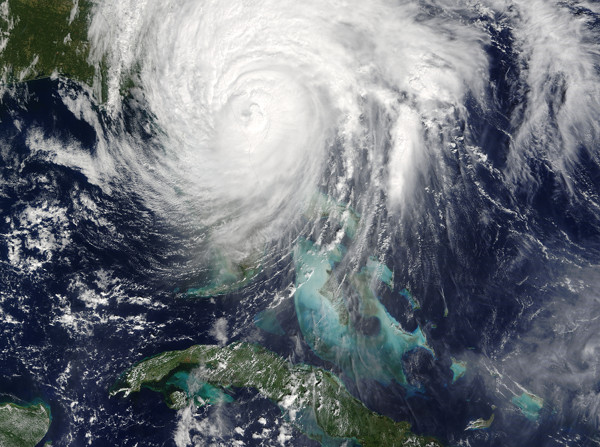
x=432, y=169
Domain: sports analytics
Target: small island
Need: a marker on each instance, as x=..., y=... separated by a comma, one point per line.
x=480, y=424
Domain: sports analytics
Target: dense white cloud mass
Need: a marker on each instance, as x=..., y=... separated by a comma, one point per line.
x=251, y=98
x=403, y=192
x=255, y=107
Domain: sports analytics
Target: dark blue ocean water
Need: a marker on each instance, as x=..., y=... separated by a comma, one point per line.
x=478, y=281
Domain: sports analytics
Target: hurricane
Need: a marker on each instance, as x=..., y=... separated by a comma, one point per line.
x=261, y=106
x=400, y=197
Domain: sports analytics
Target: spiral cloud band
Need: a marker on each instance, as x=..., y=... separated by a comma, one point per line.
x=300, y=222
x=252, y=97
x=456, y=139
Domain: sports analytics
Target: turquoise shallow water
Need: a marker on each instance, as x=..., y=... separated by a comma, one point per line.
x=330, y=329
x=458, y=369
x=485, y=204
x=204, y=393
x=267, y=321
x=529, y=404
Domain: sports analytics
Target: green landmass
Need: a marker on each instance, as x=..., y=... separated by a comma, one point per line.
x=226, y=276
x=23, y=426
x=326, y=409
x=43, y=37
x=410, y=298
x=480, y=424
